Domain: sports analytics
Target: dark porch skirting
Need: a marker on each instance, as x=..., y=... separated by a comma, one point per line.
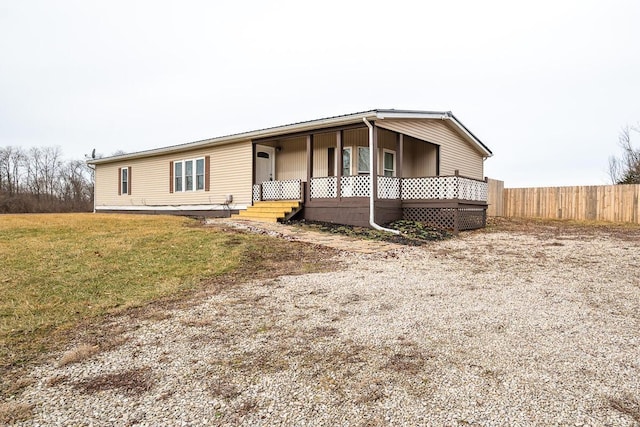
x=351, y=211
x=454, y=215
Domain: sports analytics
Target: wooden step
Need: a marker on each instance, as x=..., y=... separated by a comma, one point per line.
x=270, y=211
x=278, y=204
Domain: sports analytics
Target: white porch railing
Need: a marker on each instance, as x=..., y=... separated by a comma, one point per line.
x=425, y=188
x=355, y=186
x=471, y=189
x=444, y=187
x=388, y=187
x=278, y=190
x=323, y=188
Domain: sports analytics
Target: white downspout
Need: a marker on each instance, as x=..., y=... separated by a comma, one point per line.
x=372, y=221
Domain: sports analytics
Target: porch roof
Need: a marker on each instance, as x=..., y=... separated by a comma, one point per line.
x=306, y=126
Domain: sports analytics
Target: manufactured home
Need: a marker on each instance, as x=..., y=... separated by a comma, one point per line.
x=361, y=169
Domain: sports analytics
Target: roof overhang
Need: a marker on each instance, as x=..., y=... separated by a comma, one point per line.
x=307, y=126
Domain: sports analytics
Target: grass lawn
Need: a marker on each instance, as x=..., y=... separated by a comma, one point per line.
x=57, y=270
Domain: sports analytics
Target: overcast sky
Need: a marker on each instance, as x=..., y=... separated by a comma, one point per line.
x=547, y=85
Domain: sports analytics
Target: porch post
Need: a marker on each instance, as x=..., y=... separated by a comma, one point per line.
x=339, y=148
x=400, y=161
x=400, y=151
x=253, y=170
x=309, y=166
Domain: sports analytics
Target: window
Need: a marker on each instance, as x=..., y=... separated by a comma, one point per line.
x=346, y=161
x=363, y=160
x=124, y=181
x=190, y=175
x=389, y=163
x=178, y=176
x=200, y=174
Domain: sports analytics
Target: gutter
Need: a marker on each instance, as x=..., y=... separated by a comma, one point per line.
x=372, y=221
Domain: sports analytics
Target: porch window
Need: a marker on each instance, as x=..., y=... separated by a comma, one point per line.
x=389, y=163
x=363, y=160
x=189, y=175
x=346, y=161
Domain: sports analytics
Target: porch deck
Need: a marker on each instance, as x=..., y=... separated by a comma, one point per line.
x=451, y=202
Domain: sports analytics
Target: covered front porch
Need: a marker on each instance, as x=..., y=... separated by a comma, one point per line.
x=337, y=187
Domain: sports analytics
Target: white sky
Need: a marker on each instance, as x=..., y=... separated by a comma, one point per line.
x=547, y=85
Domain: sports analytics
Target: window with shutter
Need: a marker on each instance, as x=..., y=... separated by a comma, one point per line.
x=190, y=175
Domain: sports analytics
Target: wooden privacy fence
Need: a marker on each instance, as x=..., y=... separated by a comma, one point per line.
x=495, y=197
x=617, y=203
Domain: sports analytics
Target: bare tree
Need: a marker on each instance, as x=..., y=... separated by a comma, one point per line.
x=12, y=162
x=43, y=169
x=76, y=185
x=626, y=168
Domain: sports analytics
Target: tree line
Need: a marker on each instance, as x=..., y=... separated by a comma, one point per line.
x=38, y=179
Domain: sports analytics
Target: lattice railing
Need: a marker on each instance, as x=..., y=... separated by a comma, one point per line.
x=324, y=187
x=444, y=187
x=426, y=188
x=388, y=187
x=355, y=186
x=437, y=187
x=278, y=190
x=471, y=189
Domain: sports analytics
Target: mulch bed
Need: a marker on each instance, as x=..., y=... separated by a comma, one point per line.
x=413, y=233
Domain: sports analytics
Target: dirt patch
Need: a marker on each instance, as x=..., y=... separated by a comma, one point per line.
x=132, y=381
x=546, y=228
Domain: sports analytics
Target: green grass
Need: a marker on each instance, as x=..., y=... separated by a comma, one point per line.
x=57, y=270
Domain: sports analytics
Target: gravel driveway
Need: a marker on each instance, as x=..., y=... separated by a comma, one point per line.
x=528, y=327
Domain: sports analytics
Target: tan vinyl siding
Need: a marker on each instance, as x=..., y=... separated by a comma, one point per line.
x=291, y=160
x=419, y=158
x=387, y=139
x=321, y=143
x=230, y=173
x=356, y=137
x=455, y=151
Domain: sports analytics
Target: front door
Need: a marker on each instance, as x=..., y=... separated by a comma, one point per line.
x=265, y=163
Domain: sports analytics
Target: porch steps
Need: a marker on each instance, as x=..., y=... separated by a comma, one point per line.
x=270, y=211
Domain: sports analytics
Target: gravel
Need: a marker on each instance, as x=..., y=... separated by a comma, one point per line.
x=517, y=328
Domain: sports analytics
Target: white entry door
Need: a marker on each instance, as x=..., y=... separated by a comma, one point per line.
x=265, y=164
